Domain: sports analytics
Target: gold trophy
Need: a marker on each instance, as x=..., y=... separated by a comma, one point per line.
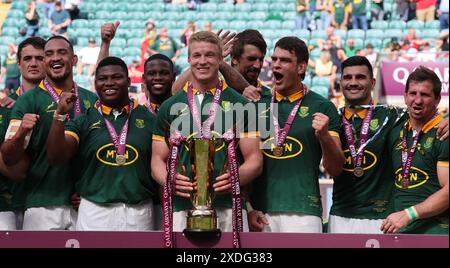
x=202, y=218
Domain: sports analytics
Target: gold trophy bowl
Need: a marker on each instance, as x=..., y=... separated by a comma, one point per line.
x=202, y=218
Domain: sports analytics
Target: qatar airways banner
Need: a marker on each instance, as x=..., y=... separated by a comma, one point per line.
x=395, y=74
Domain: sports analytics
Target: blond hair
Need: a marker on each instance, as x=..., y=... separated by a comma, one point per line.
x=208, y=37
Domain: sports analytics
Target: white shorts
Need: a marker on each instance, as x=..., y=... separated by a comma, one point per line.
x=7, y=221
x=115, y=217
x=338, y=224
x=50, y=218
x=292, y=223
x=224, y=220
x=158, y=216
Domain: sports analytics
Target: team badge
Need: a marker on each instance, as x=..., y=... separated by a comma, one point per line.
x=428, y=143
x=140, y=123
x=304, y=112
x=87, y=104
x=374, y=124
x=226, y=106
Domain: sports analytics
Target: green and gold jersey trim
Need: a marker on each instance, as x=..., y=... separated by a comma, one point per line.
x=361, y=114
x=58, y=90
x=429, y=125
x=292, y=98
x=158, y=138
x=212, y=90
x=442, y=164
x=107, y=110
x=73, y=134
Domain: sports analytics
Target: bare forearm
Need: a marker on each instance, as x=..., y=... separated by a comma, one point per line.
x=250, y=170
x=434, y=205
x=16, y=172
x=159, y=172
x=57, y=147
x=333, y=157
x=104, y=51
x=233, y=77
x=13, y=149
x=181, y=81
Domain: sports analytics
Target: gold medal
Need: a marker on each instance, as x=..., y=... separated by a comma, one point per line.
x=121, y=159
x=358, y=172
x=278, y=151
x=404, y=183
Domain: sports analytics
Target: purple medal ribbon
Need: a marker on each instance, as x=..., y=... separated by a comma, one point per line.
x=233, y=169
x=150, y=107
x=175, y=140
x=205, y=131
x=408, y=154
x=118, y=141
x=357, y=157
x=56, y=98
x=281, y=135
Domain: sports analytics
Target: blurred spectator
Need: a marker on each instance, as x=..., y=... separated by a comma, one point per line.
x=442, y=14
x=88, y=56
x=59, y=20
x=164, y=44
x=350, y=48
x=301, y=19
x=177, y=2
x=411, y=40
x=340, y=12
x=324, y=6
x=426, y=53
x=72, y=7
x=266, y=73
x=337, y=98
x=10, y=71
x=135, y=72
x=237, y=2
x=334, y=39
x=207, y=26
x=393, y=49
x=32, y=19
x=324, y=67
x=47, y=7
x=376, y=10
x=425, y=10
x=187, y=32
x=150, y=32
x=371, y=55
x=358, y=11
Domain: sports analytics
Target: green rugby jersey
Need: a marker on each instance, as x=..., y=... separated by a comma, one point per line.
x=290, y=183
x=368, y=197
x=102, y=180
x=181, y=113
x=423, y=180
x=46, y=185
x=6, y=194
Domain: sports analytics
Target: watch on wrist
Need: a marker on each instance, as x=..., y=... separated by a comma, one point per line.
x=59, y=117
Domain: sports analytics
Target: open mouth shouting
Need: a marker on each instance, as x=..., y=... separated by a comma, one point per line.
x=278, y=77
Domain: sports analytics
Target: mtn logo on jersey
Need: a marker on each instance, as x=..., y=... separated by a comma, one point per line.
x=417, y=177
x=370, y=159
x=107, y=155
x=292, y=148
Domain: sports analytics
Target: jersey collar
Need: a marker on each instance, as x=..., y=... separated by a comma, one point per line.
x=361, y=114
x=429, y=125
x=212, y=90
x=107, y=110
x=293, y=97
x=58, y=90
